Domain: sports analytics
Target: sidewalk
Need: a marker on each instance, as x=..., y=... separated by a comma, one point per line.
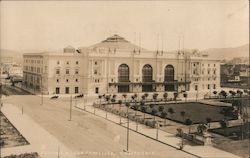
x=40, y=140
x=163, y=137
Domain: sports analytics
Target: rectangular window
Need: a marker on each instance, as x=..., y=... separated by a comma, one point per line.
x=76, y=90
x=57, y=90
x=214, y=86
x=67, y=90
x=67, y=71
x=96, y=90
x=76, y=71
x=57, y=71
x=95, y=72
x=196, y=87
x=58, y=62
x=76, y=62
x=208, y=86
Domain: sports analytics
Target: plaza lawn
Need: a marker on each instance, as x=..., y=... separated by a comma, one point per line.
x=234, y=132
x=195, y=111
x=10, y=136
x=25, y=155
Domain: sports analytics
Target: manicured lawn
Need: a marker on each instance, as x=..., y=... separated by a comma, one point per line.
x=234, y=132
x=26, y=155
x=197, y=112
x=10, y=136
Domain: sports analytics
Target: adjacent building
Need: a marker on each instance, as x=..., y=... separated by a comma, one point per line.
x=117, y=66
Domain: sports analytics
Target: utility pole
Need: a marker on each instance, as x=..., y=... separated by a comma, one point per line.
x=127, y=128
x=41, y=90
x=70, y=111
x=157, y=130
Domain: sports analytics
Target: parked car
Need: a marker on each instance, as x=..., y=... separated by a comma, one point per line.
x=54, y=97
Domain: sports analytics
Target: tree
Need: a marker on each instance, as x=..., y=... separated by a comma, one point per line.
x=232, y=93
x=127, y=104
x=143, y=97
x=164, y=115
x=223, y=93
x=107, y=98
x=151, y=105
x=215, y=92
x=144, y=110
x=170, y=111
x=183, y=113
x=125, y=98
x=189, y=123
x=113, y=101
x=100, y=98
x=161, y=108
x=185, y=96
x=175, y=96
x=239, y=92
x=154, y=112
x=165, y=96
x=208, y=120
x=146, y=96
x=120, y=104
x=155, y=95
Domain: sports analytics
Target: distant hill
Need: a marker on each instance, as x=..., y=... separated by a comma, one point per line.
x=229, y=53
x=218, y=53
x=16, y=56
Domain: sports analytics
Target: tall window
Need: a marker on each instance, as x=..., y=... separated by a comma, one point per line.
x=147, y=73
x=123, y=76
x=67, y=90
x=76, y=90
x=57, y=71
x=147, y=76
x=169, y=73
x=57, y=90
x=67, y=71
x=169, y=78
x=123, y=73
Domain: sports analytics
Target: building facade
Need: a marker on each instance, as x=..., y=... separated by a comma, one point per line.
x=117, y=66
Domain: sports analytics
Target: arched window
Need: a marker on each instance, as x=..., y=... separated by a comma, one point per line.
x=169, y=73
x=123, y=73
x=169, y=78
x=147, y=73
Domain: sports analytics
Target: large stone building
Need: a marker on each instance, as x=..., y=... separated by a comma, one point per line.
x=117, y=66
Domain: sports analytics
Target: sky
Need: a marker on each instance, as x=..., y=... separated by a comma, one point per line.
x=37, y=25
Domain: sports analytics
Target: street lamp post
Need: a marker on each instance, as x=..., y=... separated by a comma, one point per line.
x=157, y=131
x=70, y=111
x=127, y=128
x=41, y=90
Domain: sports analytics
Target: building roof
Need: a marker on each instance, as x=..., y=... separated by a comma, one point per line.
x=116, y=42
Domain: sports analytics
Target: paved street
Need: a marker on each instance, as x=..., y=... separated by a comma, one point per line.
x=161, y=136
x=88, y=135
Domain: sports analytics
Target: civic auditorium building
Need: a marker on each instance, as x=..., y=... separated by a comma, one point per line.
x=117, y=66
